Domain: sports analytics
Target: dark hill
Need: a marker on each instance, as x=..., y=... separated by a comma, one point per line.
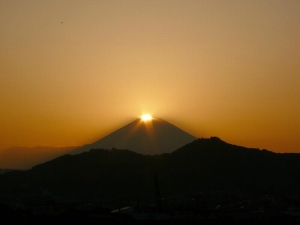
x=202, y=165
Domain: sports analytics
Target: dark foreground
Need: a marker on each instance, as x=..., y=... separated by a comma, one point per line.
x=98, y=215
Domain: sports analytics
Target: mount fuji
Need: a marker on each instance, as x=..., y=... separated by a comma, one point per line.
x=151, y=137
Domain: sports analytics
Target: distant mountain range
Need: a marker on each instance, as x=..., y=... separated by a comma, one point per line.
x=23, y=158
x=152, y=137
x=202, y=165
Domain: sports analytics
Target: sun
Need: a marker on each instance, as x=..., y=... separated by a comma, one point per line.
x=146, y=117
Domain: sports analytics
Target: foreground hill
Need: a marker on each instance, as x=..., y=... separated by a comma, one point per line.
x=202, y=165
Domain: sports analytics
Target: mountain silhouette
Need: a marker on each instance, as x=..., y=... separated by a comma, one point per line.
x=122, y=175
x=146, y=137
x=23, y=158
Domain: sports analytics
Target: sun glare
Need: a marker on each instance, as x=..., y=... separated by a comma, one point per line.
x=146, y=117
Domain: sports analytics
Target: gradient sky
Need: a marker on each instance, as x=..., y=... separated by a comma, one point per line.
x=73, y=71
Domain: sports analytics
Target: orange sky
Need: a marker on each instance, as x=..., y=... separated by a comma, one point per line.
x=74, y=71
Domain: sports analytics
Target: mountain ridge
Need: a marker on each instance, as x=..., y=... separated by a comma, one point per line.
x=202, y=165
x=136, y=136
x=23, y=157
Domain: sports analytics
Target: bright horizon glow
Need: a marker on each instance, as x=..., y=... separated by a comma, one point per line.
x=73, y=73
x=146, y=117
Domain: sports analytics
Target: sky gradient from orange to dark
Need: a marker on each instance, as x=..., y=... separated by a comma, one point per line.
x=74, y=71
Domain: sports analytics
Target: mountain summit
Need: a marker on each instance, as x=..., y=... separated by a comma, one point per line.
x=152, y=137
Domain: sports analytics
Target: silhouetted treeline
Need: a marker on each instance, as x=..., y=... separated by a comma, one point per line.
x=122, y=175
